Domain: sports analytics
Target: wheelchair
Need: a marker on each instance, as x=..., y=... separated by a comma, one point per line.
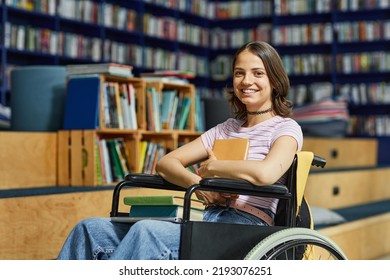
x=291, y=238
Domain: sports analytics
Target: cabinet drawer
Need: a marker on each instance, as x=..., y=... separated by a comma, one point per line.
x=344, y=152
x=347, y=188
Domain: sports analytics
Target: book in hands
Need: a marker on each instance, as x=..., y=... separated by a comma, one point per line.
x=231, y=149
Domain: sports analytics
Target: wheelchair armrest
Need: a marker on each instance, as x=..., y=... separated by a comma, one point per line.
x=151, y=181
x=140, y=180
x=243, y=187
x=318, y=161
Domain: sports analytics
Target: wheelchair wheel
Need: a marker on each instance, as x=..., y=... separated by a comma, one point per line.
x=296, y=244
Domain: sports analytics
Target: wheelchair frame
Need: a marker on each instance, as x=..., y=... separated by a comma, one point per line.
x=195, y=235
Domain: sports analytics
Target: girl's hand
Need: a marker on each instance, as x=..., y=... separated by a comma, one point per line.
x=203, y=169
x=211, y=198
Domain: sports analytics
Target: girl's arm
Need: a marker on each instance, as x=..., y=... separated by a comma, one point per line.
x=172, y=167
x=258, y=172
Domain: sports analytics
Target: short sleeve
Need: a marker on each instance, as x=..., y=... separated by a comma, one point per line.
x=289, y=127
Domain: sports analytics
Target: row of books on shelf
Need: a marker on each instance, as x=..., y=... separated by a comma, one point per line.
x=286, y=7
x=88, y=11
x=363, y=62
x=112, y=160
x=35, y=39
x=44, y=6
x=240, y=9
x=199, y=7
x=119, y=105
x=315, y=92
x=170, y=110
x=362, y=94
x=121, y=18
x=363, y=31
x=373, y=125
x=354, y=5
x=173, y=29
x=47, y=41
x=347, y=63
x=300, y=34
x=150, y=154
x=322, y=33
x=234, y=38
x=293, y=7
x=306, y=64
x=91, y=11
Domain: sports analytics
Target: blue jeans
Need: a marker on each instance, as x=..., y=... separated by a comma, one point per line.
x=99, y=238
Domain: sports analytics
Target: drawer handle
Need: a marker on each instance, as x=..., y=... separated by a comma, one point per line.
x=334, y=153
x=336, y=190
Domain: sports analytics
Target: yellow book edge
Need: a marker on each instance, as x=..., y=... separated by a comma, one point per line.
x=231, y=149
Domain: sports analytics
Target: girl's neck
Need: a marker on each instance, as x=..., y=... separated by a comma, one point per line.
x=253, y=120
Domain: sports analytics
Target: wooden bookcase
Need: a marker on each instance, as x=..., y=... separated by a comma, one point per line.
x=79, y=156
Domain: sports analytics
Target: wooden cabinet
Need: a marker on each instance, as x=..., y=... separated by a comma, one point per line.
x=344, y=152
x=81, y=154
x=27, y=159
x=344, y=188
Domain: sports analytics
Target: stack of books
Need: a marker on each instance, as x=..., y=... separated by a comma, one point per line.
x=168, y=76
x=100, y=68
x=326, y=118
x=162, y=207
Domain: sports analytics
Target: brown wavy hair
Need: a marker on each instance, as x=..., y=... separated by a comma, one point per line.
x=276, y=74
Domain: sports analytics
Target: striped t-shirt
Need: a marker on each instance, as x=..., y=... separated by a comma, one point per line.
x=261, y=137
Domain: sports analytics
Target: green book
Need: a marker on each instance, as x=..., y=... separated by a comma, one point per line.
x=184, y=113
x=118, y=172
x=161, y=200
x=163, y=211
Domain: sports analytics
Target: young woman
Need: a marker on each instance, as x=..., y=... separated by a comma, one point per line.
x=258, y=99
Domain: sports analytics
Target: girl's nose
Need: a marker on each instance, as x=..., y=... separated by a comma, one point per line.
x=247, y=80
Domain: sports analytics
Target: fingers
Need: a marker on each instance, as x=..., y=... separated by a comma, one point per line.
x=210, y=154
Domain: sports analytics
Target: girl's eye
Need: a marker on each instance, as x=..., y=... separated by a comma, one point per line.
x=259, y=74
x=237, y=74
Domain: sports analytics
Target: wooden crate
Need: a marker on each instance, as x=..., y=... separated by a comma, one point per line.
x=28, y=159
x=76, y=158
x=78, y=155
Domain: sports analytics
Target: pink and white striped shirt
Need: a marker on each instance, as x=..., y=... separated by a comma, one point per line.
x=261, y=137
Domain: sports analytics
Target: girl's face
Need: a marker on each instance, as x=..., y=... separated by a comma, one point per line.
x=250, y=82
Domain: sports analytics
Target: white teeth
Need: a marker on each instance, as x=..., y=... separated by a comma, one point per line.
x=248, y=90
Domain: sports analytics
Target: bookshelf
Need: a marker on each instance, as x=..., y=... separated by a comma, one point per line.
x=103, y=155
x=314, y=38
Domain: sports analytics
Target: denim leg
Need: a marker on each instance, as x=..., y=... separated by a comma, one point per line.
x=230, y=215
x=99, y=238
x=93, y=238
x=150, y=240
